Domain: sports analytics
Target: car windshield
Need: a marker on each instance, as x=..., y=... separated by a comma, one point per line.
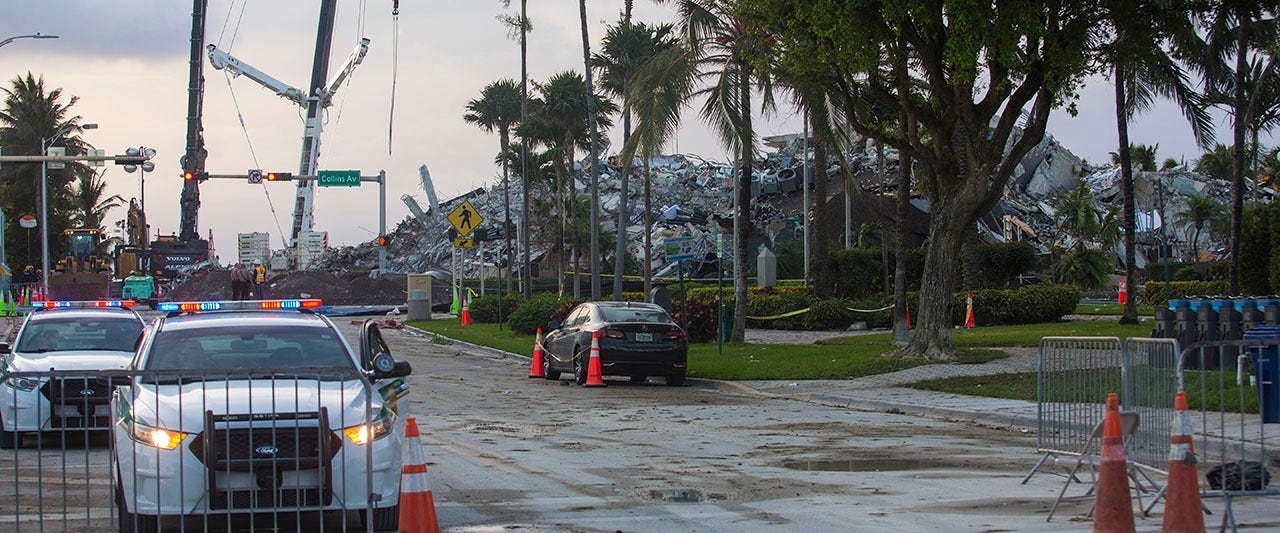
x=60, y=334
x=633, y=314
x=266, y=349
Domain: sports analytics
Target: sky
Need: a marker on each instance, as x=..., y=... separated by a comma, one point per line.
x=127, y=62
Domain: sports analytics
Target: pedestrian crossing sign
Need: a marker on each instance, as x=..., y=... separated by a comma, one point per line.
x=465, y=218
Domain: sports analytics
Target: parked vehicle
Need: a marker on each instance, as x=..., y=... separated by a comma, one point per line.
x=637, y=340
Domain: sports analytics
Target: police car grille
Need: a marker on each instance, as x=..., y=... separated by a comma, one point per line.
x=256, y=499
x=243, y=448
x=77, y=391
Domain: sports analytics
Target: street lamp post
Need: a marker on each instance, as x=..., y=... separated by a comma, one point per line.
x=145, y=167
x=33, y=36
x=45, y=144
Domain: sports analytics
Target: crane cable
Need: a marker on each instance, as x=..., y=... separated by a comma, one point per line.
x=391, y=117
x=252, y=153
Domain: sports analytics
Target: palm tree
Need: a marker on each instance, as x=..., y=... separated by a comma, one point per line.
x=89, y=207
x=1233, y=30
x=519, y=26
x=1202, y=213
x=626, y=47
x=1143, y=157
x=1143, y=71
x=1094, y=233
x=594, y=138
x=718, y=47
x=499, y=108
x=1216, y=162
x=31, y=114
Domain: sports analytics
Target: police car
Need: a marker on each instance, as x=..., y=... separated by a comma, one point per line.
x=64, y=336
x=252, y=407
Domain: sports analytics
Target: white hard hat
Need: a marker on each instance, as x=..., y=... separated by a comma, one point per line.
x=257, y=261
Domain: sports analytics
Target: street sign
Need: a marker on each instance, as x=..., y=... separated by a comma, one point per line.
x=27, y=221
x=255, y=176
x=338, y=178
x=678, y=248
x=465, y=218
x=56, y=151
x=463, y=243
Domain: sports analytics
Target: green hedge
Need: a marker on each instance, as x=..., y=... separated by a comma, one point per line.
x=1045, y=302
x=535, y=313
x=1153, y=291
x=485, y=308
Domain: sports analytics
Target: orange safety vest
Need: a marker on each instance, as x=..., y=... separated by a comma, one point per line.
x=260, y=274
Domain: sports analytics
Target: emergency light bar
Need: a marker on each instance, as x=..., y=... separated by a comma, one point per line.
x=235, y=305
x=86, y=304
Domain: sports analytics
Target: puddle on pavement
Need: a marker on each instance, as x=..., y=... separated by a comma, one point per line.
x=861, y=465
x=684, y=496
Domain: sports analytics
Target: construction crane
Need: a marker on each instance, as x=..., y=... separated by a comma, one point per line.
x=314, y=101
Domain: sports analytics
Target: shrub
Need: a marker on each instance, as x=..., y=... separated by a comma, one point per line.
x=702, y=323
x=831, y=313
x=1043, y=302
x=858, y=273
x=1001, y=263
x=1153, y=291
x=535, y=313
x=485, y=308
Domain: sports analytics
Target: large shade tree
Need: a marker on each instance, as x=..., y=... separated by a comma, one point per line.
x=32, y=114
x=990, y=74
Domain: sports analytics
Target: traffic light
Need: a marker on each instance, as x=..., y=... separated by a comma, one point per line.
x=383, y=240
x=188, y=176
x=279, y=176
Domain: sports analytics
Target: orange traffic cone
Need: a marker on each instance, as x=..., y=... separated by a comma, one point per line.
x=968, y=311
x=1123, y=295
x=417, y=506
x=535, y=370
x=908, y=318
x=595, y=375
x=1182, y=492
x=466, y=312
x=1113, y=510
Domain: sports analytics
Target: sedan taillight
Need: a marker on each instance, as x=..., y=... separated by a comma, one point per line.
x=612, y=334
x=677, y=335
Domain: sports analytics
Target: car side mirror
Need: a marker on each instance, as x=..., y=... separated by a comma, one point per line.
x=5, y=347
x=385, y=367
x=553, y=325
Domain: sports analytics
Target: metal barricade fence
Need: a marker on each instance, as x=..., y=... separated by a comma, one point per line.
x=1150, y=386
x=1073, y=377
x=1236, y=435
x=195, y=449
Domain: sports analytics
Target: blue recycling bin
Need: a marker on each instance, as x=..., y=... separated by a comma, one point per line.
x=1266, y=367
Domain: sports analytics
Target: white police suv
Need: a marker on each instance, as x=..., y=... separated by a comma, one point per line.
x=49, y=372
x=255, y=407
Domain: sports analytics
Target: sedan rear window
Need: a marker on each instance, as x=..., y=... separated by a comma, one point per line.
x=632, y=314
x=267, y=348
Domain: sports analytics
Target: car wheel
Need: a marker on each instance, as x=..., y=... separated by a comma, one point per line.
x=9, y=440
x=384, y=518
x=547, y=372
x=639, y=379
x=132, y=522
x=579, y=368
x=676, y=380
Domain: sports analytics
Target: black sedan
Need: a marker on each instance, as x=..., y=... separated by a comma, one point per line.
x=637, y=340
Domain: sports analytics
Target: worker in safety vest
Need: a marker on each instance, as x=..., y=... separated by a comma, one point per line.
x=259, y=278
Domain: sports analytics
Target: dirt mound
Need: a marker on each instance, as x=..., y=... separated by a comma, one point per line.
x=351, y=289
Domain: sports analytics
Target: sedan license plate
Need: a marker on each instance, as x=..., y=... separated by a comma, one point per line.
x=644, y=337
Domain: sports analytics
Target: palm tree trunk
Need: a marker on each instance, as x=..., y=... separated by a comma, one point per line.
x=1130, y=315
x=562, y=250
x=595, y=158
x=504, y=137
x=744, y=208
x=821, y=262
x=524, y=152
x=648, y=230
x=620, y=246
x=1237, y=179
x=902, y=206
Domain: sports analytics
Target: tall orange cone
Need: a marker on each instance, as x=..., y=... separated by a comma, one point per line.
x=908, y=317
x=466, y=311
x=535, y=370
x=417, y=506
x=595, y=374
x=1113, y=510
x=1123, y=295
x=1182, y=492
x=968, y=311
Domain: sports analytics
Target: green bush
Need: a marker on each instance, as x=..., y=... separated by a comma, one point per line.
x=485, y=308
x=857, y=273
x=702, y=323
x=831, y=313
x=772, y=302
x=1001, y=263
x=535, y=313
x=1153, y=291
x=875, y=319
x=1044, y=302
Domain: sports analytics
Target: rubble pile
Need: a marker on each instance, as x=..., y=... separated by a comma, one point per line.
x=692, y=196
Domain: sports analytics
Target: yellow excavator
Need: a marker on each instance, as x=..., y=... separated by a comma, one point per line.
x=82, y=274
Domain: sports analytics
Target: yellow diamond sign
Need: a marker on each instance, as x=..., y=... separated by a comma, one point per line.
x=465, y=218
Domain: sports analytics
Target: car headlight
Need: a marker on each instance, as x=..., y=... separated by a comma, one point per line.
x=165, y=439
x=359, y=434
x=22, y=384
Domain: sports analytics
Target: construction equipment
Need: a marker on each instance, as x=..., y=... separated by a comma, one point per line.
x=84, y=273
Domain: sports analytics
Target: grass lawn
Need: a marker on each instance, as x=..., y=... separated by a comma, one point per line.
x=1020, y=335
x=1112, y=309
x=477, y=333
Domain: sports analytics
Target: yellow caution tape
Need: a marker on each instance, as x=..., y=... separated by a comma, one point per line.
x=784, y=315
x=870, y=310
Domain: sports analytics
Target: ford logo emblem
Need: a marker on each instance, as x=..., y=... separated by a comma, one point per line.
x=266, y=450
x=86, y=392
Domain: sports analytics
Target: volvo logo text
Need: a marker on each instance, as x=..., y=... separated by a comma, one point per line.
x=266, y=450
